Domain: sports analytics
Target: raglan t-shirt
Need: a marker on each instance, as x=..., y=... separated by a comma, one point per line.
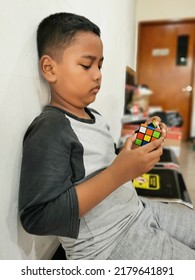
x=77, y=149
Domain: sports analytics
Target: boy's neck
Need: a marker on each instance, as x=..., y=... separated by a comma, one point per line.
x=78, y=112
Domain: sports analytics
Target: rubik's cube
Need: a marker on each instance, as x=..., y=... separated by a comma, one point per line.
x=147, y=133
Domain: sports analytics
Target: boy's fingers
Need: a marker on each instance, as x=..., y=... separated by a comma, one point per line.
x=153, y=145
x=156, y=118
x=129, y=142
x=163, y=129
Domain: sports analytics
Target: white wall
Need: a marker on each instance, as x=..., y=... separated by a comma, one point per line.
x=166, y=10
x=23, y=93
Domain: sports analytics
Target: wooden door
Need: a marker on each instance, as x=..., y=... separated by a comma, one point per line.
x=161, y=66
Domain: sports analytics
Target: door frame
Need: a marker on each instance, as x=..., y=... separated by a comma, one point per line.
x=172, y=21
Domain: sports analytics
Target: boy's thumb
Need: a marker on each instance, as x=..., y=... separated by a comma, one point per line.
x=129, y=142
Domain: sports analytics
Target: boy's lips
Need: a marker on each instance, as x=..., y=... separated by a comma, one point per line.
x=95, y=89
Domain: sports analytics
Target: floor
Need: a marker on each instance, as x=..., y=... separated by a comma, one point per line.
x=187, y=165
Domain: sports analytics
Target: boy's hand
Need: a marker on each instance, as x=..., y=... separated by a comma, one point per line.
x=161, y=125
x=130, y=164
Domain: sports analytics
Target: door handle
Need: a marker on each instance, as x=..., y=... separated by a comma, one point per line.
x=187, y=89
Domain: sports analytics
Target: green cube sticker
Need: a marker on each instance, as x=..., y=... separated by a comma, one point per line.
x=156, y=134
x=138, y=142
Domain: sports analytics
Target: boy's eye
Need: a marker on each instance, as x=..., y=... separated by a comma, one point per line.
x=86, y=66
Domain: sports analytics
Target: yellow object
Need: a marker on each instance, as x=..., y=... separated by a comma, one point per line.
x=147, y=181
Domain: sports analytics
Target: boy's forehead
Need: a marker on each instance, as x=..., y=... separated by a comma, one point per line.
x=86, y=38
x=86, y=43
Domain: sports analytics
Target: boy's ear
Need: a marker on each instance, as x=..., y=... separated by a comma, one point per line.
x=47, y=66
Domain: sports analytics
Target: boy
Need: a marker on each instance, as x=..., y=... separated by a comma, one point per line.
x=72, y=183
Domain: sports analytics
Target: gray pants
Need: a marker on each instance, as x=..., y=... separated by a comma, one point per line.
x=161, y=232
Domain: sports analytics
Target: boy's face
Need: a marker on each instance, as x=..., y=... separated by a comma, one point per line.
x=78, y=73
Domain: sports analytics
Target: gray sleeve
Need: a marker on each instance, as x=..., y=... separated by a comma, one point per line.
x=47, y=199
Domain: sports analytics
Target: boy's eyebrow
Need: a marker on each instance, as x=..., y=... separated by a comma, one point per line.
x=92, y=57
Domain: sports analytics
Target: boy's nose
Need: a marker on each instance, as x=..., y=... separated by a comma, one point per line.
x=97, y=75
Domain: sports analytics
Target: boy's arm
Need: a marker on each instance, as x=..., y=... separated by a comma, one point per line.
x=128, y=165
x=48, y=202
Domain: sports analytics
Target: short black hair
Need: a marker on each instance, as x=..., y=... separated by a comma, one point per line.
x=59, y=29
